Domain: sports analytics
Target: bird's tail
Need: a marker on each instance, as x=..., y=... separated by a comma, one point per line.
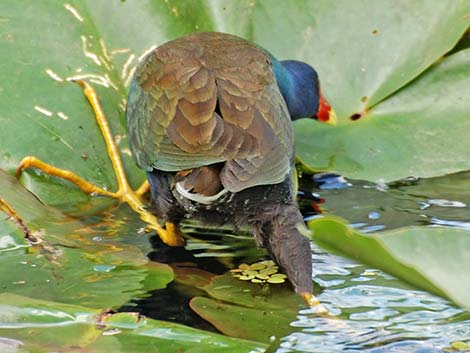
x=201, y=184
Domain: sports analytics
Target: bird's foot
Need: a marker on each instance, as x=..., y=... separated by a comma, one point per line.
x=314, y=302
x=170, y=236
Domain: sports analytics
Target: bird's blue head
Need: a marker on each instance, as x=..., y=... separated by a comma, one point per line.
x=300, y=87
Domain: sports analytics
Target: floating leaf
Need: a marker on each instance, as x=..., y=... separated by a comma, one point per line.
x=413, y=133
x=47, y=116
x=277, y=278
x=430, y=258
x=248, y=310
x=69, y=266
x=246, y=277
x=44, y=326
x=259, y=272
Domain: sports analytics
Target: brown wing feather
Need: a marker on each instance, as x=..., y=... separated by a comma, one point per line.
x=211, y=98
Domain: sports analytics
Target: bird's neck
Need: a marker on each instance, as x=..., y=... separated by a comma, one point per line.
x=293, y=88
x=284, y=79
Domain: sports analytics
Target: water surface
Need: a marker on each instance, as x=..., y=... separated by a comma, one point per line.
x=374, y=312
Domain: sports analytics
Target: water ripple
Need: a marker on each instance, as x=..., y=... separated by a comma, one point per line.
x=381, y=315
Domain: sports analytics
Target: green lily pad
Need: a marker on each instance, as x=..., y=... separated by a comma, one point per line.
x=383, y=69
x=47, y=116
x=243, y=322
x=42, y=326
x=364, y=50
x=45, y=45
x=419, y=131
x=74, y=263
x=390, y=45
x=430, y=258
x=242, y=309
x=248, y=310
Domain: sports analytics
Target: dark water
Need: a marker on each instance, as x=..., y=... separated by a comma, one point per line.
x=374, y=312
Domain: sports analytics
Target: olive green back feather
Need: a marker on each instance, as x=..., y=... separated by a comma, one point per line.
x=208, y=98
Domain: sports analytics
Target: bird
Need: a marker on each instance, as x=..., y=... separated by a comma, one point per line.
x=209, y=118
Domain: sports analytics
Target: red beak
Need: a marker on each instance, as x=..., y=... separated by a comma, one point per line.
x=325, y=114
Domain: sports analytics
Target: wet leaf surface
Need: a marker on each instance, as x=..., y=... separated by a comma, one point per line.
x=75, y=263
x=371, y=207
x=248, y=310
x=49, y=326
x=412, y=133
x=413, y=116
x=45, y=44
x=243, y=322
x=79, y=39
x=430, y=258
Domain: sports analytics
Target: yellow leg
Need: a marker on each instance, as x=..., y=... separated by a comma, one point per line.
x=313, y=302
x=86, y=186
x=170, y=236
x=144, y=188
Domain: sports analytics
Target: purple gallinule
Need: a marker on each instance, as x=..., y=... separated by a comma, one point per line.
x=209, y=119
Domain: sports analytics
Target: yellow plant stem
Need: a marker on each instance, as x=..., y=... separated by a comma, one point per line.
x=15, y=218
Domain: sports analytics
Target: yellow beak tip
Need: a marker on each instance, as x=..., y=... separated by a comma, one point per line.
x=333, y=119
